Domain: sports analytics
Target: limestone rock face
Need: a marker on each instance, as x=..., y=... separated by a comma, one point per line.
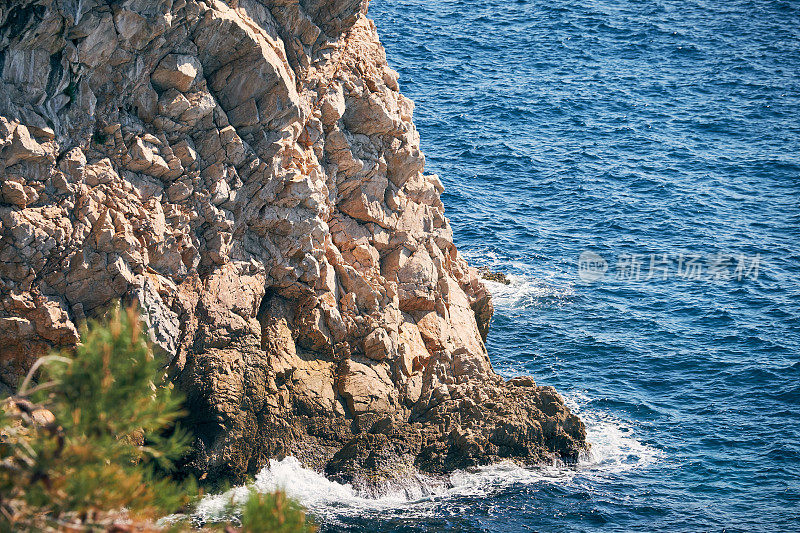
x=248, y=173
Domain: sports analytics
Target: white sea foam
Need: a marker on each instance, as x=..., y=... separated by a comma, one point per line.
x=526, y=292
x=615, y=450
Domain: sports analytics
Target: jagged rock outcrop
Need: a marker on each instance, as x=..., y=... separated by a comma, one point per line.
x=250, y=175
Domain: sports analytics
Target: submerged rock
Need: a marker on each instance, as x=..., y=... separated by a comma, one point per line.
x=250, y=175
x=499, y=277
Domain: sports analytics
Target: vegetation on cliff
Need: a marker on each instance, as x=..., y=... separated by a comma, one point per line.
x=100, y=434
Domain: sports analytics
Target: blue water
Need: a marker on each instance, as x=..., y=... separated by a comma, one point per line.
x=628, y=127
x=620, y=127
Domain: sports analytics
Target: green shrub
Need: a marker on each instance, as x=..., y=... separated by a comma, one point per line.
x=99, y=435
x=96, y=436
x=274, y=513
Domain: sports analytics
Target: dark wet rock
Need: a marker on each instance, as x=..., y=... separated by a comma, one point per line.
x=490, y=275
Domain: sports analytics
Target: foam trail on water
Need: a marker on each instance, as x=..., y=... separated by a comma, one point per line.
x=328, y=499
x=525, y=289
x=614, y=450
x=526, y=292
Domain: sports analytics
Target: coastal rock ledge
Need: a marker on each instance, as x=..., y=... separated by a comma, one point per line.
x=248, y=173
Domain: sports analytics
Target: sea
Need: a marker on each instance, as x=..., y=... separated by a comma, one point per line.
x=634, y=168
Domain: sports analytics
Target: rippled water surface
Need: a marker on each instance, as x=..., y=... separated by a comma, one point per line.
x=620, y=127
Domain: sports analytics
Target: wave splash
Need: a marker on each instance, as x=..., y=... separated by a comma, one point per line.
x=614, y=450
x=525, y=292
x=525, y=289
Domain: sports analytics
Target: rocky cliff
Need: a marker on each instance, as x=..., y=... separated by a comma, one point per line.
x=248, y=173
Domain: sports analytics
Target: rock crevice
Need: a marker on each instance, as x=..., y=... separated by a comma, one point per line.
x=249, y=173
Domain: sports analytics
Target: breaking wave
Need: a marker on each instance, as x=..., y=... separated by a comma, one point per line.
x=615, y=449
x=525, y=292
x=525, y=289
